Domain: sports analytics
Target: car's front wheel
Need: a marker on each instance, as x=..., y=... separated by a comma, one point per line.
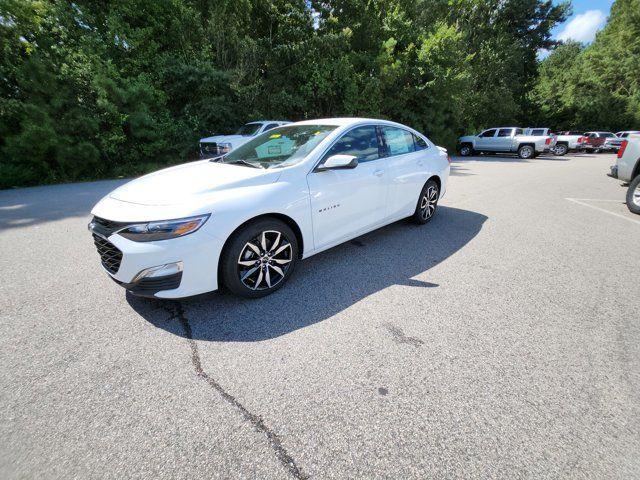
x=466, y=150
x=259, y=258
x=427, y=203
x=633, y=195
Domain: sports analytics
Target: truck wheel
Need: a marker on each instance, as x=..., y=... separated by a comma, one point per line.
x=466, y=150
x=560, y=149
x=633, y=195
x=526, y=151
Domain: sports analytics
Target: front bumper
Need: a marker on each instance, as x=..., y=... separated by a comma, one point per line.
x=198, y=253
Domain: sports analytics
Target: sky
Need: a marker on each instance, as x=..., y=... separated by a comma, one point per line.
x=588, y=17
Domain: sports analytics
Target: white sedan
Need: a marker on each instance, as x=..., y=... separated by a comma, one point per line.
x=245, y=219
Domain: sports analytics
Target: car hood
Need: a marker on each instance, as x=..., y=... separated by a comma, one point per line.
x=466, y=138
x=226, y=139
x=190, y=181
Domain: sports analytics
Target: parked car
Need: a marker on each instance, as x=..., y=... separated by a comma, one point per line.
x=507, y=140
x=627, y=169
x=245, y=219
x=569, y=141
x=617, y=142
x=221, y=144
x=599, y=141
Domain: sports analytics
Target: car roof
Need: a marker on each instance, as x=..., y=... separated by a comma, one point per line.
x=346, y=121
x=267, y=121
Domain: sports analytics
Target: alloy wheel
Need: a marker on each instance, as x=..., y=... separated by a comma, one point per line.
x=428, y=203
x=526, y=152
x=636, y=196
x=464, y=151
x=264, y=260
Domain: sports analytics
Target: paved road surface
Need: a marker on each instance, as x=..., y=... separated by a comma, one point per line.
x=500, y=341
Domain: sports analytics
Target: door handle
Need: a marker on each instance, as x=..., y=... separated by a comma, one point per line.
x=420, y=163
x=378, y=173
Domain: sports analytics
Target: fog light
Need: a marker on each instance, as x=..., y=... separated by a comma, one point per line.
x=159, y=271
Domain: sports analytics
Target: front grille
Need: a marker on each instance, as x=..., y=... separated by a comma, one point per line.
x=110, y=256
x=106, y=227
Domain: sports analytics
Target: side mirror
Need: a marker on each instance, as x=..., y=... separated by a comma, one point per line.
x=339, y=162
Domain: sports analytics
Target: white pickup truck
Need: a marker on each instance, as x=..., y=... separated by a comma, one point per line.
x=627, y=169
x=222, y=144
x=506, y=140
x=567, y=141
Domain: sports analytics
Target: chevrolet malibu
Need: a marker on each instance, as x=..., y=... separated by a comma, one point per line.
x=245, y=219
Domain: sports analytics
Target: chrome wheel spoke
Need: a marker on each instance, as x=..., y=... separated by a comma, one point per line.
x=247, y=263
x=254, y=248
x=263, y=241
x=281, y=261
x=248, y=273
x=267, y=276
x=276, y=242
x=282, y=249
x=277, y=269
x=258, y=280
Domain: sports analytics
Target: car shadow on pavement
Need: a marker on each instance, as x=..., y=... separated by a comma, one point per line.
x=32, y=206
x=323, y=285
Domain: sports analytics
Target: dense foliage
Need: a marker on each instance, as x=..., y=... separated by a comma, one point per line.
x=93, y=89
x=597, y=87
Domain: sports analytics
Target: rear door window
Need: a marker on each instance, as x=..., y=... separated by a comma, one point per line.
x=398, y=141
x=419, y=143
x=505, y=132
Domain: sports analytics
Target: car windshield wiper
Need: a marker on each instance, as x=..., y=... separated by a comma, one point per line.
x=244, y=162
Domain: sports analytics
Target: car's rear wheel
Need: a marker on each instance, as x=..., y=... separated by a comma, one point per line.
x=427, y=203
x=560, y=149
x=259, y=258
x=526, y=151
x=633, y=195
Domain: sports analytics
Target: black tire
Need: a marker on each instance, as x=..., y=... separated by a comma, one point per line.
x=560, y=149
x=633, y=195
x=466, y=150
x=427, y=203
x=262, y=266
x=526, y=152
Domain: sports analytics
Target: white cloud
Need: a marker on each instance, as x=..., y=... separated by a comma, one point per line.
x=583, y=27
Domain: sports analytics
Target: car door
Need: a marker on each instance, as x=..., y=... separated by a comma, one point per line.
x=503, y=141
x=407, y=166
x=347, y=201
x=485, y=141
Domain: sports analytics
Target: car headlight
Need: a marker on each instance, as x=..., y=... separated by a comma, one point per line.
x=163, y=230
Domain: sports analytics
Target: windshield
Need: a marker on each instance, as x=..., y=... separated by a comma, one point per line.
x=279, y=147
x=249, y=129
x=607, y=135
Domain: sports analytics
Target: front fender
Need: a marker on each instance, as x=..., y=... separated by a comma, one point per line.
x=239, y=206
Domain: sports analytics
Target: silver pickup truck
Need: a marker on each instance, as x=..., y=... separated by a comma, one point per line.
x=507, y=140
x=627, y=169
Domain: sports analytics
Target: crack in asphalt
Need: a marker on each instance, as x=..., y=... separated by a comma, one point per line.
x=398, y=336
x=177, y=313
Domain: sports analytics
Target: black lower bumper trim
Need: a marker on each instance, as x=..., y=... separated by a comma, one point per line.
x=149, y=287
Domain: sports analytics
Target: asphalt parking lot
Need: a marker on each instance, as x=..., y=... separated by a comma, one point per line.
x=502, y=340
